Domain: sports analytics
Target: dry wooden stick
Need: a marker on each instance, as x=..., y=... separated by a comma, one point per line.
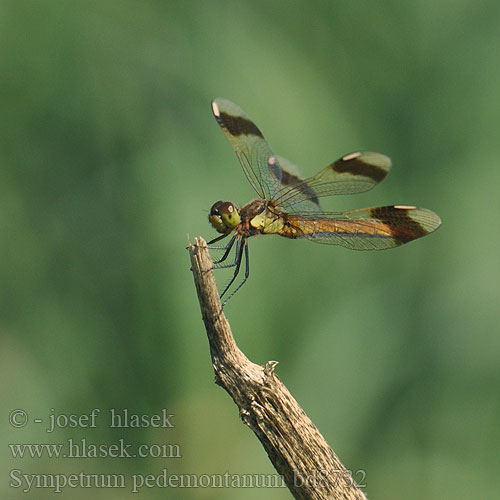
x=298, y=451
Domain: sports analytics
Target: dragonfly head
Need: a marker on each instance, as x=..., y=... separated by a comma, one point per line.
x=224, y=216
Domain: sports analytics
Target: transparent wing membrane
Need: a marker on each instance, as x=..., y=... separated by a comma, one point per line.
x=353, y=173
x=374, y=228
x=256, y=157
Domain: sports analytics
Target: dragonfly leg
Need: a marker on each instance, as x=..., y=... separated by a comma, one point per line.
x=237, y=263
x=222, y=236
x=227, y=249
x=247, y=273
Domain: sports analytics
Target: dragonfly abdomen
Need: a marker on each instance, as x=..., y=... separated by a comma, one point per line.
x=302, y=227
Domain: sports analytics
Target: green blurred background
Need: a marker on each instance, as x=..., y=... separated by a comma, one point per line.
x=110, y=156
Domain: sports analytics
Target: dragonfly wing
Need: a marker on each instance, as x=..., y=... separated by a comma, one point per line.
x=256, y=157
x=353, y=173
x=291, y=178
x=375, y=228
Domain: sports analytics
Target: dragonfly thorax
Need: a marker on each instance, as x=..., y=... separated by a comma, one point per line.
x=224, y=216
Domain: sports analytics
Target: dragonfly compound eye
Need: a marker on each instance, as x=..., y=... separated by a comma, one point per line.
x=224, y=216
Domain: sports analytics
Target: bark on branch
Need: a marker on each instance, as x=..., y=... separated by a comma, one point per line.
x=298, y=451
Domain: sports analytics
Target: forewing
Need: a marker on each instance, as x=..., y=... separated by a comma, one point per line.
x=353, y=173
x=291, y=179
x=373, y=228
x=256, y=157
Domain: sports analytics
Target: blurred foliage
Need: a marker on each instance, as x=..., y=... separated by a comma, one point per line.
x=110, y=156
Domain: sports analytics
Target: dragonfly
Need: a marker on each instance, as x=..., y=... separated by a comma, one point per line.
x=288, y=205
